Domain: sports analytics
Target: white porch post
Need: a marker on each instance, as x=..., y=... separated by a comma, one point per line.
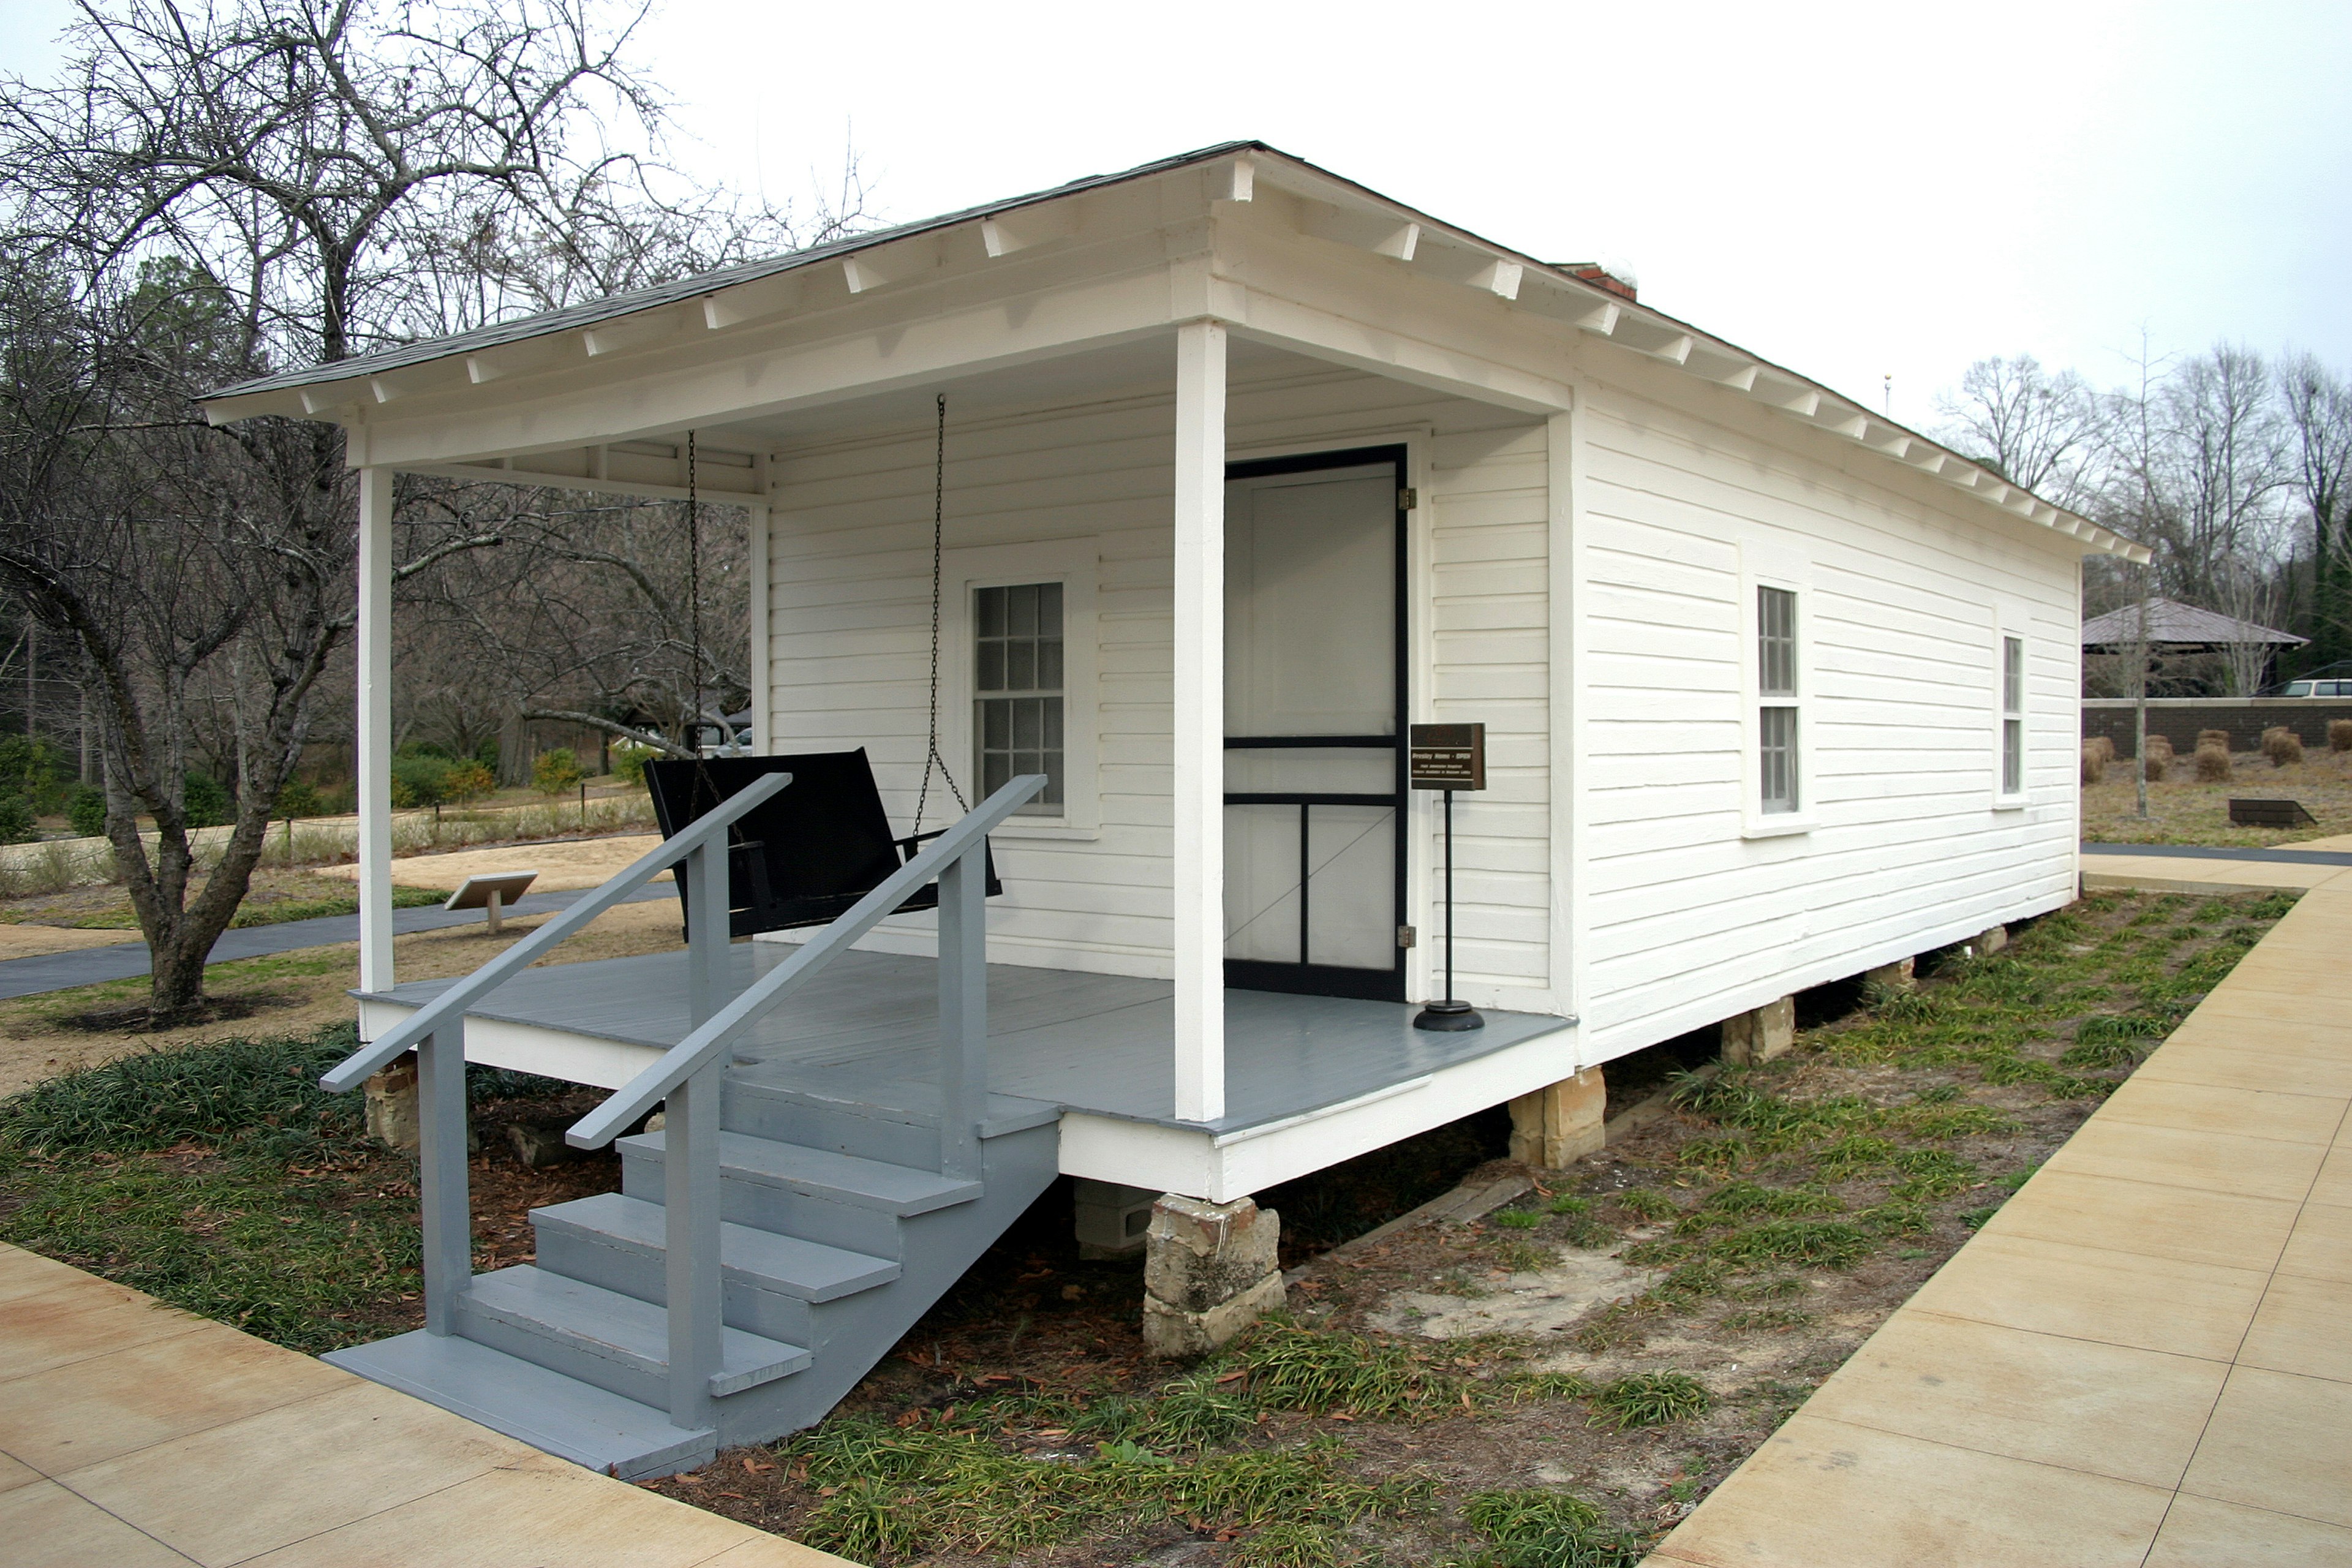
x=1200, y=722
x=373, y=758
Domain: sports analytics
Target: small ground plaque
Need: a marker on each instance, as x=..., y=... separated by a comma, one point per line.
x=493, y=891
x=1449, y=756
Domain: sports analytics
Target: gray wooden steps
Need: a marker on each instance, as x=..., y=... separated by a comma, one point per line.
x=558, y=1415
x=603, y=1337
x=847, y=1179
x=762, y=1258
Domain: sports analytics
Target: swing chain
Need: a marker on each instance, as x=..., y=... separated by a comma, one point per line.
x=938, y=521
x=693, y=598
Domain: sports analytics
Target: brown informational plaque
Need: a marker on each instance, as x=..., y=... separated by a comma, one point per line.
x=1449, y=756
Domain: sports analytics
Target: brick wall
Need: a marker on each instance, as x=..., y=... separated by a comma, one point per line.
x=2179, y=718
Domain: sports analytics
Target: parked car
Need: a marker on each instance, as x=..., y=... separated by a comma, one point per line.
x=2316, y=688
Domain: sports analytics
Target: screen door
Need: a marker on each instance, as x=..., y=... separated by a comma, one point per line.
x=1313, y=682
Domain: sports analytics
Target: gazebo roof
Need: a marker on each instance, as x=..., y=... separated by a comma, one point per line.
x=2172, y=622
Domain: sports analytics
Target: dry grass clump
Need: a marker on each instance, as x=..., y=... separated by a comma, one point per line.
x=2212, y=765
x=2095, y=766
x=2213, y=738
x=2157, y=767
x=2282, y=746
x=2104, y=747
x=2160, y=748
x=2339, y=734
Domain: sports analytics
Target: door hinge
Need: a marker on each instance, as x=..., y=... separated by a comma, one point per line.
x=1407, y=936
x=1407, y=499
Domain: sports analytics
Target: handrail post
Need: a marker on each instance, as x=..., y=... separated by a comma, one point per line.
x=963, y=1010
x=441, y=1182
x=690, y=1216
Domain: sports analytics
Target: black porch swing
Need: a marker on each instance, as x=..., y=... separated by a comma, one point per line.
x=806, y=855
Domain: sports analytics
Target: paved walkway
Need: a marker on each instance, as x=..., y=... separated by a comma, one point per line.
x=2141, y=1360
x=124, y=960
x=133, y=1434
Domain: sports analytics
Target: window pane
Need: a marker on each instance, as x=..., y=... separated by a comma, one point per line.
x=996, y=725
x=1049, y=666
x=1021, y=611
x=2013, y=674
x=1777, y=758
x=1052, y=769
x=1776, y=641
x=995, y=773
x=992, y=667
x=991, y=611
x=1049, y=609
x=1021, y=667
x=1028, y=724
x=2012, y=757
x=1053, y=708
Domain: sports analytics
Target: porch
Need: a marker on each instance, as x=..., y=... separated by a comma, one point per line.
x=1095, y=1051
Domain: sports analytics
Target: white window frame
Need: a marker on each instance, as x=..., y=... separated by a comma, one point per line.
x=2010, y=626
x=1075, y=564
x=1765, y=566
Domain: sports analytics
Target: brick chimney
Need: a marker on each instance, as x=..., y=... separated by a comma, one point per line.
x=1593, y=272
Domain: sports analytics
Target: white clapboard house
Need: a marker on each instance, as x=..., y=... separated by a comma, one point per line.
x=1245, y=470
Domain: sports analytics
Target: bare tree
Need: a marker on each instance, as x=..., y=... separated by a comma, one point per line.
x=211, y=193
x=2319, y=414
x=2034, y=428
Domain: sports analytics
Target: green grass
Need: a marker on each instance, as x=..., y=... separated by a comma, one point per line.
x=886, y=1489
x=1539, y=1529
x=222, y=1179
x=1649, y=1399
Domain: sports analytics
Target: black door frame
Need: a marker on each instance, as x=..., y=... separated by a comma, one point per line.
x=1302, y=978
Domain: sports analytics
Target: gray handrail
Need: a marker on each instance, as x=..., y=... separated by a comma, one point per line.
x=382, y=1051
x=703, y=1045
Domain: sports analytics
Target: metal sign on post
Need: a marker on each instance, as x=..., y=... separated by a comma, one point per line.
x=1448, y=757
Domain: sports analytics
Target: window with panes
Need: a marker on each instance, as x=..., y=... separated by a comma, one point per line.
x=1776, y=690
x=2012, y=715
x=1017, y=702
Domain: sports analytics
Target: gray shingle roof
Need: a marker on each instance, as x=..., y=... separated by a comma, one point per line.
x=2170, y=621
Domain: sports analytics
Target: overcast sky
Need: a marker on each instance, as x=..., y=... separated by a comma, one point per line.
x=1854, y=191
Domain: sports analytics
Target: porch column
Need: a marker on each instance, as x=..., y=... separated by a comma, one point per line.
x=755, y=530
x=1200, y=722
x=372, y=760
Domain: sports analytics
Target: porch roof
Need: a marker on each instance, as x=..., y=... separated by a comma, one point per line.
x=613, y=331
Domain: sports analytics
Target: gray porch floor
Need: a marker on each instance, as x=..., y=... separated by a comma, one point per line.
x=867, y=1029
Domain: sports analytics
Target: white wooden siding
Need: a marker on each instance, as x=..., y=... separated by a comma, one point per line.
x=1686, y=921
x=849, y=585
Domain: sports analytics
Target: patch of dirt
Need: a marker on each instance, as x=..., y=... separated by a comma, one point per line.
x=1542, y=1302
x=137, y=1018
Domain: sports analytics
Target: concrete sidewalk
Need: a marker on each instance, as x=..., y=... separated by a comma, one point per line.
x=2141, y=1358
x=133, y=1434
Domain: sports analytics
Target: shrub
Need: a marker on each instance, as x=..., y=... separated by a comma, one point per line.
x=204, y=801
x=2156, y=765
x=2159, y=746
x=35, y=767
x=629, y=761
x=2212, y=738
x=86, y=811
x=2212, y=765
x=2104, y=747
x=552, y=773
x=299, y=798
x=469, y=781
x=16, y=823
x=2339, y=734
x=2282, y=746
x=2095, y=766
x=427, y=778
